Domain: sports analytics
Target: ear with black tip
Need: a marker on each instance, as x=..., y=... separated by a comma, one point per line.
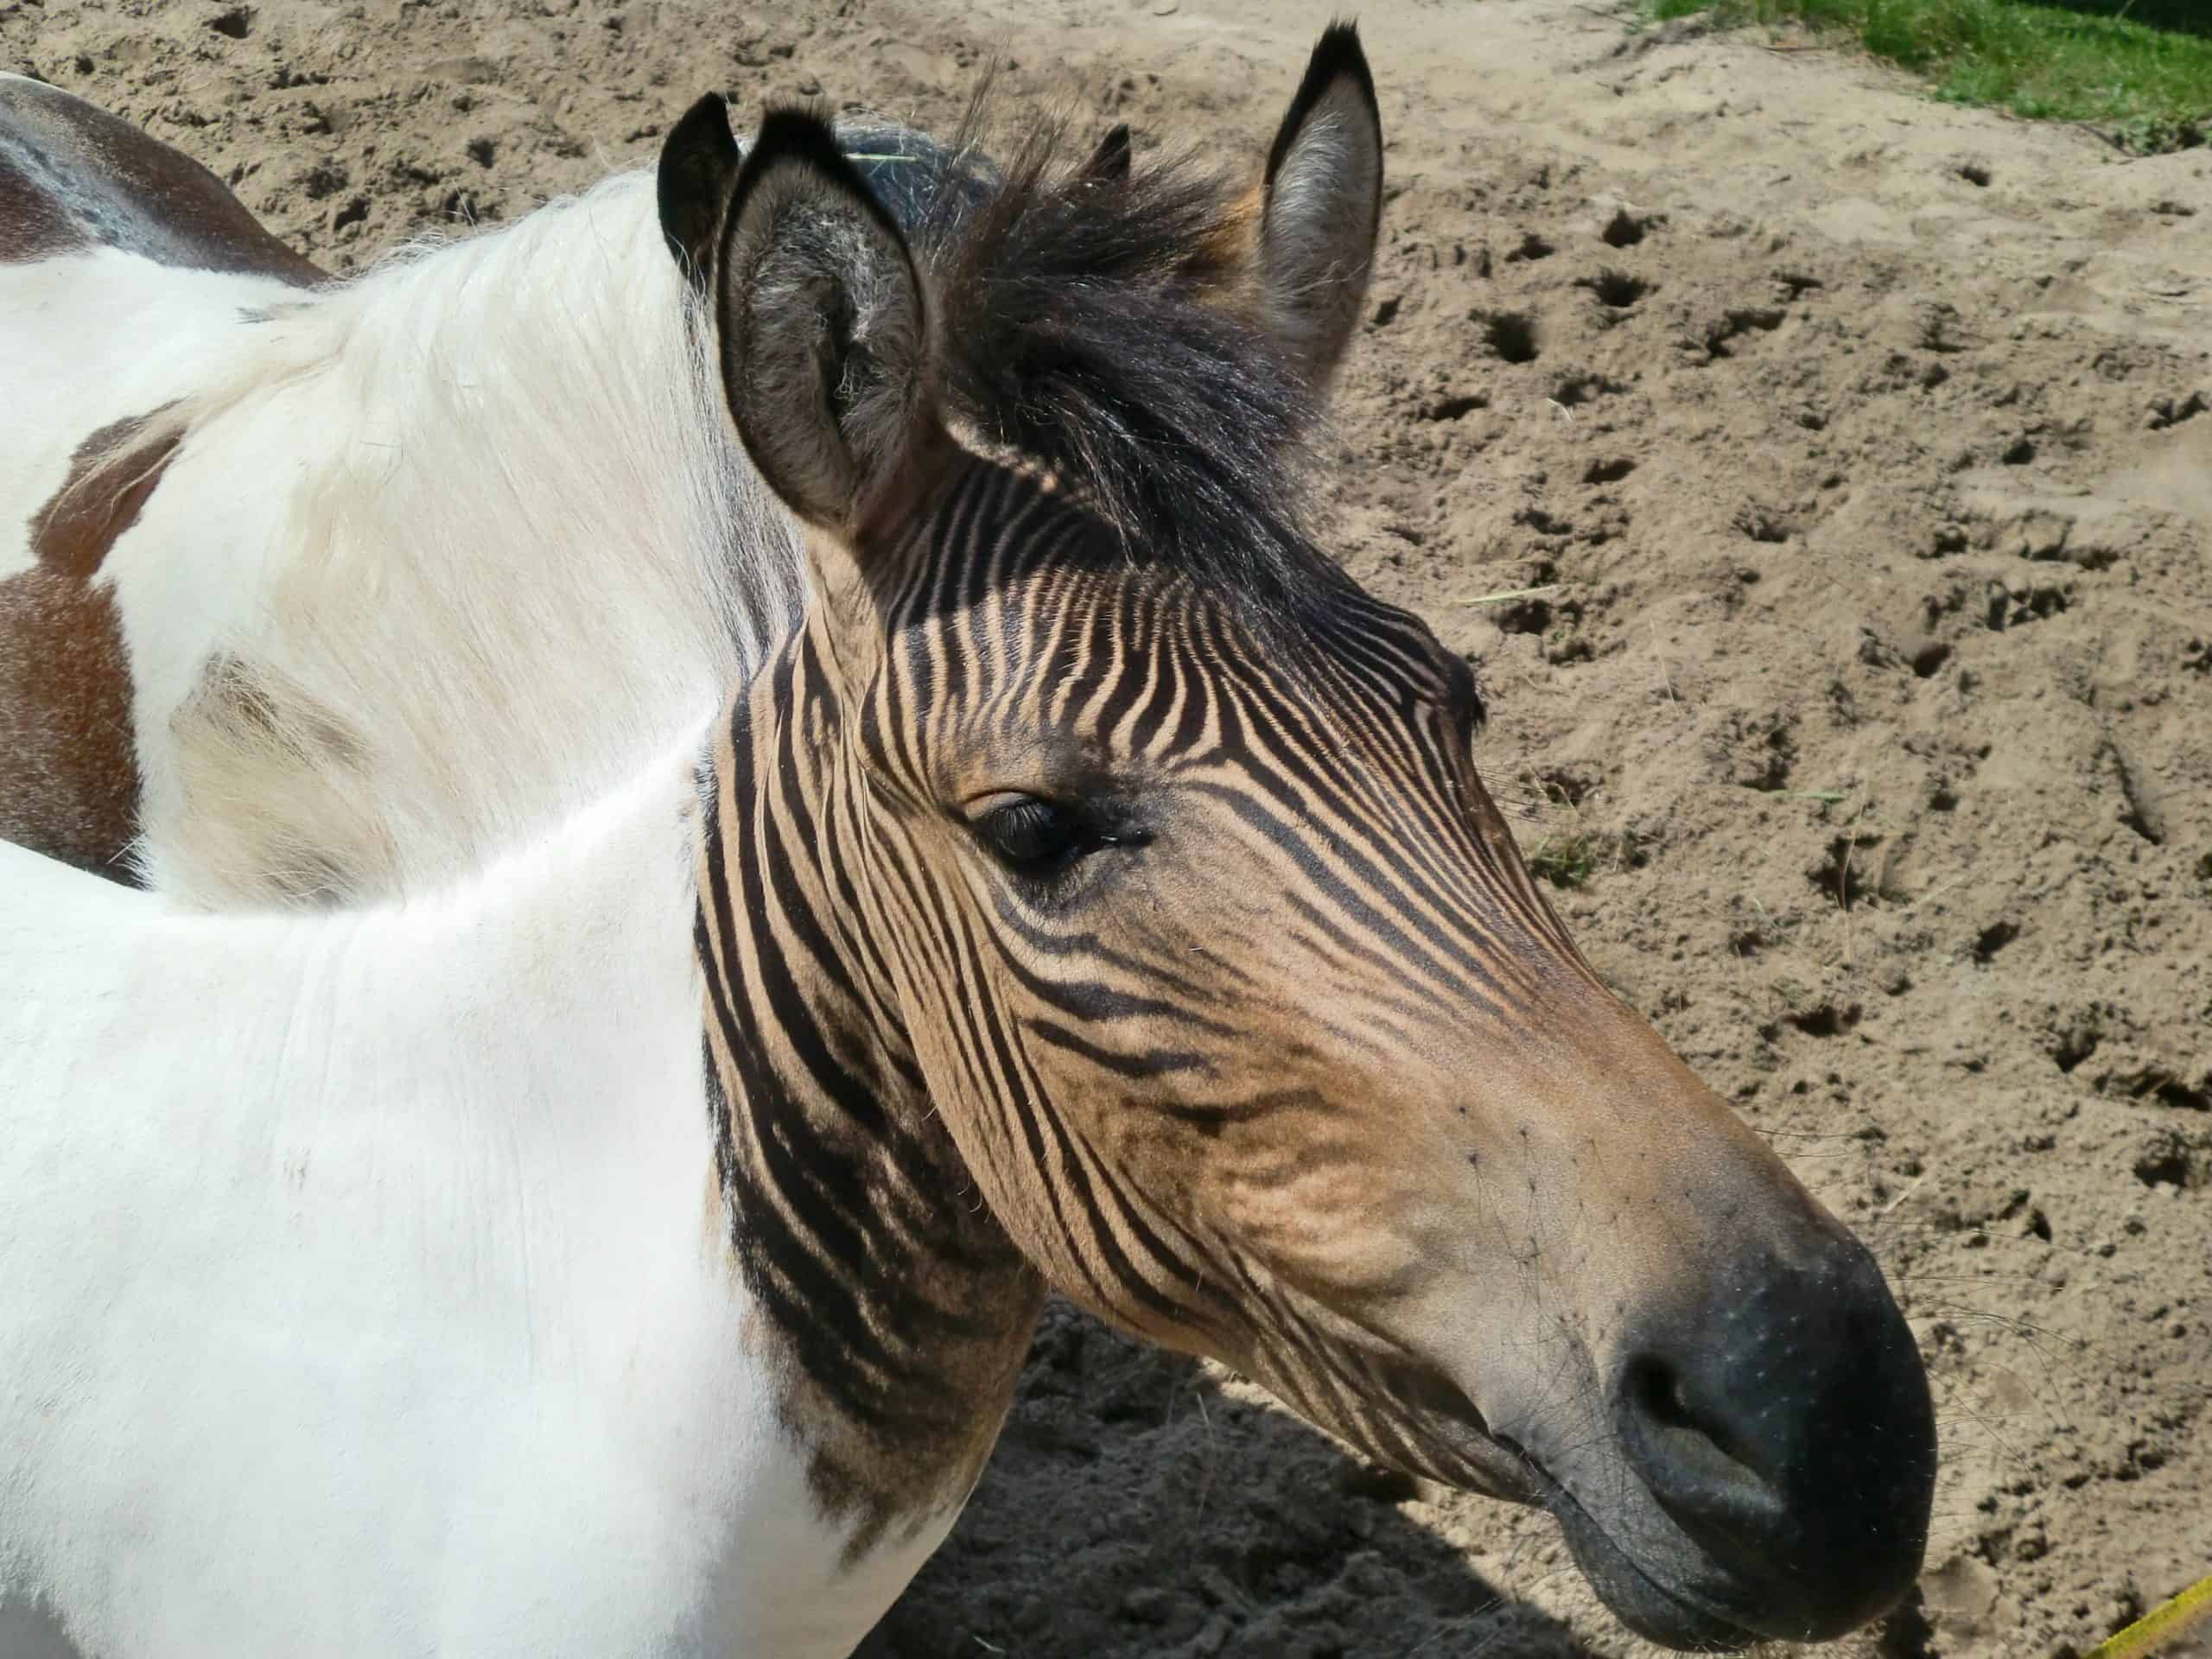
x=698, y=170
x=823, y=327
x=1321, y=205
x=1110, y=163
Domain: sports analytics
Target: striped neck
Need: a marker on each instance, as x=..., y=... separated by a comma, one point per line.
x=897, y=1308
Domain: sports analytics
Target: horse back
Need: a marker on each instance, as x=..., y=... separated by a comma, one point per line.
x=72, y=177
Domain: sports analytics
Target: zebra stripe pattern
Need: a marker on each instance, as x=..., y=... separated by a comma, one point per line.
x=930, y=1068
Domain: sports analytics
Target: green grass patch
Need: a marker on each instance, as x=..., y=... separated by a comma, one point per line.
x=1567, y=861
x=2141, y=69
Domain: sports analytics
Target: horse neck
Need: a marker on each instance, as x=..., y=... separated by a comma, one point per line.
x=538, y=1025
x=563, y=967
x=521, y=551
x=901, y=1308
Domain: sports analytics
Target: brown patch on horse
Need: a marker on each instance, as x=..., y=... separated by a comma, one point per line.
x=73, y=177
x=108, y=486
x=68, y=764
x=69, y=776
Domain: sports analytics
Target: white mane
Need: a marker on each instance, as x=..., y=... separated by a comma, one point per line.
x=520, y=548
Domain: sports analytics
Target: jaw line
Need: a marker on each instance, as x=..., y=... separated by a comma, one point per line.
x=1481, y=1461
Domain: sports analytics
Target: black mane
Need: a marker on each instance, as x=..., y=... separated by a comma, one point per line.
x=1089, y=326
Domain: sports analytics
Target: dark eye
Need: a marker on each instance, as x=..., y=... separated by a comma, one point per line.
x=1034, y=837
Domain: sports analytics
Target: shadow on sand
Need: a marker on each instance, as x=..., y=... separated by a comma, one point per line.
x=1135, y=1510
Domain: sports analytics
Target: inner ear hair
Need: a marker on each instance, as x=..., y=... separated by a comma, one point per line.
x=824, y=326
x=1322, y=205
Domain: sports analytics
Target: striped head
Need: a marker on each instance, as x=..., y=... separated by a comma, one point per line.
x=1129, y=847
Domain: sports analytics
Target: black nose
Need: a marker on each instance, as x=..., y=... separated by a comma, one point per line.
x=1785, y=1427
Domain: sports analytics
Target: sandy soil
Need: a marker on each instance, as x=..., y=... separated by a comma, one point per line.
x=1864, y=446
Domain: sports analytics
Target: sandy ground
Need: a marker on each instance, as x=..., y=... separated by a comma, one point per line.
x=1864, y=446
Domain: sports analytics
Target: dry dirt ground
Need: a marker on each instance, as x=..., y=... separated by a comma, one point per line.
x=1862, y=449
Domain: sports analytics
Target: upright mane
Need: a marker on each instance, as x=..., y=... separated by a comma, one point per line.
x=1094, y=326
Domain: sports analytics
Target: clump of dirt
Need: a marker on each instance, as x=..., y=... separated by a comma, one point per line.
x=1872, y=489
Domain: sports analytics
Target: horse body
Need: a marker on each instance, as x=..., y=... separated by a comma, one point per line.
x=413, y=1335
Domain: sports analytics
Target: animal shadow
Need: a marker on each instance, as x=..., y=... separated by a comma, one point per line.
x=1134, y=1510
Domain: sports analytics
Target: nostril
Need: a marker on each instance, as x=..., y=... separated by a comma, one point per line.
x=1692, y=1443
x=1656, y=1388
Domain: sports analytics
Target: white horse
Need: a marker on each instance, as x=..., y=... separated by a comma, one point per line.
x=314, y=590
x=630, y=1249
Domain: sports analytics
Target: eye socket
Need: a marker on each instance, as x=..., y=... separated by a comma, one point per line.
x=1036, y=838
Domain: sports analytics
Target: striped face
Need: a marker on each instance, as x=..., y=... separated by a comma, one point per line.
x=1215, y=952
x=1102, y=882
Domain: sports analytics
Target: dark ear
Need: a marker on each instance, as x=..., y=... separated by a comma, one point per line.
x=1110, y=163
x=698, y=170
x=1322, y=205
x=822, y=329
